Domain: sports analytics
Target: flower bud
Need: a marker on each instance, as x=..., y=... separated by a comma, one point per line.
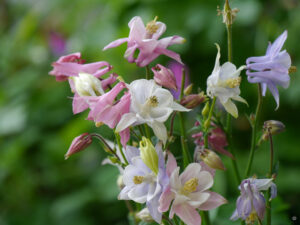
x=78, y=144
x=164, y=77
x=205, y=110
x=272, y=127
x=211, y=159
x=87, y=85
x=149, y=154
x=144, y=215
x=120, y=182
x=188, y=89
x=192, y=101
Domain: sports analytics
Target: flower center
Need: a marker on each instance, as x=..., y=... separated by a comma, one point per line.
x=233, y=82
x=251, y=218
x=138, y=179
x=152, y=101
x=190, y=186
x=152, y=27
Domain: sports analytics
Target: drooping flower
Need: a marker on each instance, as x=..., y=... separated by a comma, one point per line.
x=188, y=192
x=224, y=83
x=71, y=65
x=144, y=184
x=145, y=39
x=150, y=104
x=271, y=69
x=193, y=100
x=164, y=77
x=251, y=205
x=209, y=158
x=78, y=144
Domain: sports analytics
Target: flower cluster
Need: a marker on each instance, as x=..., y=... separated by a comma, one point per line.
x=149, y=172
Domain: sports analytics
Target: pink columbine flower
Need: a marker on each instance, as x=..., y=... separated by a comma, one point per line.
x=71, y=65
x=145, y=39
x=78, y=144
x=217, y=140
x=164, y=77
x=188, y=192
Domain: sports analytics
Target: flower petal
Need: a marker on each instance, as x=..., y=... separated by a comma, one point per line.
x=187, y=214
x=214, y=201
x=127, y=120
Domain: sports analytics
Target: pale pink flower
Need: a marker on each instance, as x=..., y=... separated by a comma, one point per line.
x=145, y=39
x=188, y=192
x=71, y=65
x=164, y=77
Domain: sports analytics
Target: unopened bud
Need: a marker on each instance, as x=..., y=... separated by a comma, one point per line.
x=188, y=89
x=144, y=215
x=120, y=182
x=192, y=101
x=211, y=159
x=205, y=110
x=78, y=144
x=228, y=13
x=292, y=69
x=149, y=154
x=113, y=159
x=272, y=127
x=87, y=85
x=164, y=77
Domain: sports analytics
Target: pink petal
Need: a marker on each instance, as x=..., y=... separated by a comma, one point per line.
x=125, y=135
x=214, y=201
x=165, y=200
x=187, y=214
x=171, y=164
x=115, y=43
x=79, y=104
x=192, y=171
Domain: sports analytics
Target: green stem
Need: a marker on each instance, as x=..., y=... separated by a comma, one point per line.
x=254, y=129
x=269, y=206
x=185, y=152
x=121, y=148
x=207, y=122
x=148, y=134
x=205, y=216
x=148, y=74
x=229, y=42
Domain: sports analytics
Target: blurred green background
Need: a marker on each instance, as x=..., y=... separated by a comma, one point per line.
x=37, y=186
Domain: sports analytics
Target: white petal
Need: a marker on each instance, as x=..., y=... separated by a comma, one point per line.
x=197, y=198
x=127, y=120
x=206, y=181
x=180, y=108
x=192, y=171
x=142, y=89
x=231, y=108
x=174, y=180
x=160, y=131
x=240, y=99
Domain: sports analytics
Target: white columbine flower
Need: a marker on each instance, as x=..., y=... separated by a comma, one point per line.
x=150, y=104
x=224, y=83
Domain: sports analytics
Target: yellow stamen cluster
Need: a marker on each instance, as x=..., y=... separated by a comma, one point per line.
x=138, y=179
x=191, y=185
x=292, y=69
x=152, y=27
x=251, y=218
x=233, y=82
x=153, y=101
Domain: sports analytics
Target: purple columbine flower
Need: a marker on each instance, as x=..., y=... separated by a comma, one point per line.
x=145, y=177
x=252, y=204
x=271, y=69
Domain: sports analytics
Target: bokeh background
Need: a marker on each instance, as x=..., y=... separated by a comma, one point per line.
x=37, y=186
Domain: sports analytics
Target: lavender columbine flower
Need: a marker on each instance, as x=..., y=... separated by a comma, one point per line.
x=251, y=203
x=271, y=69
x=145, y=177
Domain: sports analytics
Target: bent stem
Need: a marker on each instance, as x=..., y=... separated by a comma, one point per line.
x=254, y=129
x=185, y=152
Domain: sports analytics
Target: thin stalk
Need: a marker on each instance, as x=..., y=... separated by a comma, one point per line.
x=167, y=219
x=269, y=206
x=141, y=130
x=148, y=74
x=120, y=147
x=148, y=134
x=185, y=152
x=205, y=216
x=207, y=122
x=138, y=137
x=254, y=130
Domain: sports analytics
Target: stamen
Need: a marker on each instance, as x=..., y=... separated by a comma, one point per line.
x=152, y=101
x=292, y=69
x=152, y=27
x=190, y=185
x=251, y=218
x=138, y=179
x=233, y=82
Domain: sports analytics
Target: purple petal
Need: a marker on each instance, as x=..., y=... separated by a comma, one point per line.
x=259, y=204
x=277, y=45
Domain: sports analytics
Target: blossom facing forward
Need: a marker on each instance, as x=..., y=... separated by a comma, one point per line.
x=145, y=39
x=252, y=204
x=150, y=104
x=188, y=192
x=224, y=83
x=272, y=69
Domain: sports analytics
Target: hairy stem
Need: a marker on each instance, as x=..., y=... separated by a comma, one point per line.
x=254, y=130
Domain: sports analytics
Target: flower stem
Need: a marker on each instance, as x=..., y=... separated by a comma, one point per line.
x=148, y=72
x=205, y=216
x=148, y=134
x=120, y=147
x=269, y=206
x=207, y=122
x=254, y=129
x=185, y=152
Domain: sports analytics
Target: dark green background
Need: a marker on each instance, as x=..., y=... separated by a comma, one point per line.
x=37, y=186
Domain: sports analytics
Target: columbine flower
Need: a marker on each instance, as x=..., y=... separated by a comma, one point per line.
x=188, y=192
x=164, y=77
x=150, y=104
x=145, y=39
x=78, y=144
x=71, y=65
x=251, y=204
x=145, y=178
x=224, y=83
x=271, y=69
